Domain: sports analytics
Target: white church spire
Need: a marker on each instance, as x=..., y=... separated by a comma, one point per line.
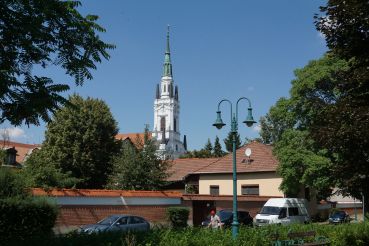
x=166, y=110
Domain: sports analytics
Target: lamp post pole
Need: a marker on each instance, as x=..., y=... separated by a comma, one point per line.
x=234, y=126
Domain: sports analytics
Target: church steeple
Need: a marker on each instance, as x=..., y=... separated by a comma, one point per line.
x=167, y=62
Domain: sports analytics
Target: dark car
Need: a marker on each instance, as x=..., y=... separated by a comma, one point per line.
x=339, y=217
x=117, y=223
x=226, y=218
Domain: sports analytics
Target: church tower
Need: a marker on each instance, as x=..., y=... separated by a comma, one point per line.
x=166, y=111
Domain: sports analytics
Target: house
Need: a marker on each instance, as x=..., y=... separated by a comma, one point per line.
x=256, y=175
x=207, y=183
x=17, y=153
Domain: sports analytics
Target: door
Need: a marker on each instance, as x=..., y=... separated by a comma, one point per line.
x=201, y=210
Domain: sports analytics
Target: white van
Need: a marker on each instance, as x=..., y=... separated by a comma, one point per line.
x=283, y=211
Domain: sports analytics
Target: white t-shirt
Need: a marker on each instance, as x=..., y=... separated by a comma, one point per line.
x=214, y=221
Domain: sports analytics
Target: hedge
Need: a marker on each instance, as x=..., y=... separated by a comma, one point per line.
x=178, y=216
x=339, y=235
x=22, y=219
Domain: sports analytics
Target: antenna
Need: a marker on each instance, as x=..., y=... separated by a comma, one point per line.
x=248, y=154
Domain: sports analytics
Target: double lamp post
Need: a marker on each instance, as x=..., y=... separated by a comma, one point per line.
x=234, y=126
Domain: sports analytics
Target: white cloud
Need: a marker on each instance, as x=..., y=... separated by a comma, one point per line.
x=257, y=128
x=13, y=133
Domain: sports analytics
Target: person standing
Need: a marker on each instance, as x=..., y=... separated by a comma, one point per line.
x=214, y=222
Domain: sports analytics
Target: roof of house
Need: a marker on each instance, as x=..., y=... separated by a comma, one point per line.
x=261, y=160
x=180, y=168
x=104, y=193
x=23, y=150
x=135, y=138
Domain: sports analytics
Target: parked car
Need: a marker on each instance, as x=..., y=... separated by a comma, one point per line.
x=226, y=218
x=283, y=211
x=339, y=217
x=117, y=223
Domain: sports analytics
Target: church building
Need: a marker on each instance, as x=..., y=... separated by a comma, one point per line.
x=166, y=112
x=166, y=115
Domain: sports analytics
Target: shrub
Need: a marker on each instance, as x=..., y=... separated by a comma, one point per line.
x=178, y=216
x=11, y=184
x=22, y=219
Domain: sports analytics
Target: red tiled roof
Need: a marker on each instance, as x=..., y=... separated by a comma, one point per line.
x=135, y=138
x=104, y=193
x=182, y=167
x=22, y=149
x=249, y=198
x=261, y=160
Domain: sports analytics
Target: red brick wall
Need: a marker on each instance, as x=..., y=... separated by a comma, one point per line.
x=75, y=215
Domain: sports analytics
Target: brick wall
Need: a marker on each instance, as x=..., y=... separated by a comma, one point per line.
x=76, y=215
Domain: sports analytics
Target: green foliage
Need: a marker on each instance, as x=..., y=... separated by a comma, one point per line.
x=228, y=141
x=207, y=152
x=40, y=171
x=44, y=33
x=22, y=219
x=2, y=157
x=178, y=216
x=299, y=164
x=79, y=143
x=11, y=184
x=343, y=124
x=340, y=235
x=138, y=168
x=217, y=150
x=279, y=118
x=208, y=147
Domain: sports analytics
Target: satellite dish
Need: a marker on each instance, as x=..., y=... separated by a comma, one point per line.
x=248, y=152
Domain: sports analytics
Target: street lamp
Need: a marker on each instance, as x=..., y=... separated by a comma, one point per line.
x=234, y=126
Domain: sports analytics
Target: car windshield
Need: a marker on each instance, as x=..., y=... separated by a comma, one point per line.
x=108, y=220
x=270, y=210
x=338, y=214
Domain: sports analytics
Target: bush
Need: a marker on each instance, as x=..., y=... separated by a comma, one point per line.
x=11, y=184
x=178, y=216
x=22, y=219
x=340, y=235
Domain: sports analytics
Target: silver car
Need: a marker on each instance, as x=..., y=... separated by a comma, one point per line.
x=122, y=222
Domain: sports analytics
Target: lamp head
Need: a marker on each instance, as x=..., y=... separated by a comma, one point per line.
x=218, y=122
x=249, y=119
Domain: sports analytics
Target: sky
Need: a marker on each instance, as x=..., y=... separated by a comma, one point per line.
x=219, y=49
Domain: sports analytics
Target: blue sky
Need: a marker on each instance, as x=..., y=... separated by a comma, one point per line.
x=220, y=49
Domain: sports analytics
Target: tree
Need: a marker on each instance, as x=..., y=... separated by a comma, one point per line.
x=343, y=124
x=217, y=151
x=80, y=139
x=138, y=168
x=38, y=33
x=208, y=148
x=300, y=164
x=289, y=124
x=279, y=118
x=228, y=141
x=40, y=171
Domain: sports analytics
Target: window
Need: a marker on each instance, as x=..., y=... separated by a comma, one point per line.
x=250, y=190
x=293, y=211
x=162, y=124
x=176, y=147
x=165, y=88
x=214, y=190
x=135, y=220
x=175, y=124
x=122, y=221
